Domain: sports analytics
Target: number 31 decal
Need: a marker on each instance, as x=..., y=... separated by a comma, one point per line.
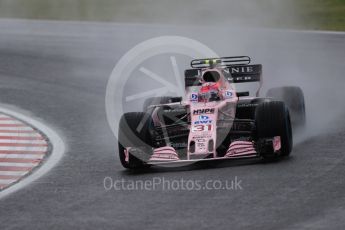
x=201, y=128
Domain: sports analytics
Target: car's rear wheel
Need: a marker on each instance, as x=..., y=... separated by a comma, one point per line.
x=134, y=132
x=294, y=100
x=273, y=120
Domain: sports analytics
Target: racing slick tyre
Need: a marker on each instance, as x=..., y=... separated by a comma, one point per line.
x=134, y=132
x=294, y=100
x=272, y=120
x=160, y=100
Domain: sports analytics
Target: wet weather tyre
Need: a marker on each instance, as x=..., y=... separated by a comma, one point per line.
x=294, y=99
x=272, y=120
x=134, y=132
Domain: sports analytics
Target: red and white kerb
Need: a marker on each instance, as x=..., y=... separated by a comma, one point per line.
x=22, y=149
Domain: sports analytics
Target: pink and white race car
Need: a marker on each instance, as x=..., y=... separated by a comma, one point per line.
x=213, y=121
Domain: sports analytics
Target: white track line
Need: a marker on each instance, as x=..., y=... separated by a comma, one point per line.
x=22, y=156
x=23, y=148
x=7, y=181
x=24, y=128
x=19, y=134
x=13, y=141
x=12, y=173
x=58, y=149
x=8, y=122
x=18, y=164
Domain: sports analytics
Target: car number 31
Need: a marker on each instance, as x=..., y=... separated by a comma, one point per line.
x=202, y=128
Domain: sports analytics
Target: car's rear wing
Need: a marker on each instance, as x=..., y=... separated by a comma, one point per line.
x=234, y=74
x=243, y=73
x=221, y=62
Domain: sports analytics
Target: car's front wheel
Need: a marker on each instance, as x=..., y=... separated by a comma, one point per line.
x=134, y=132
x=273, y=120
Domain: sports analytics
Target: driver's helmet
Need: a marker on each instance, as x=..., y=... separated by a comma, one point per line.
x=210, y=89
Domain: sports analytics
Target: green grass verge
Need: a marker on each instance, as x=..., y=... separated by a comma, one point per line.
x=300, y=14
x=321, y=14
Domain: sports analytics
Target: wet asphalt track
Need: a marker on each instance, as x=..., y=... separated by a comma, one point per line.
x=58, y=72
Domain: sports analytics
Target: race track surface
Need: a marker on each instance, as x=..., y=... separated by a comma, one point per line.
x=58, y=72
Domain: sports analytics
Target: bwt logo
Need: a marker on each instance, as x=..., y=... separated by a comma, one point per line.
x=203, y=111
x=202, y=122
x=203, y=118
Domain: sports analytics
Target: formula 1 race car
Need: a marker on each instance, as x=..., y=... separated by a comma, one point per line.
x=213, y=121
